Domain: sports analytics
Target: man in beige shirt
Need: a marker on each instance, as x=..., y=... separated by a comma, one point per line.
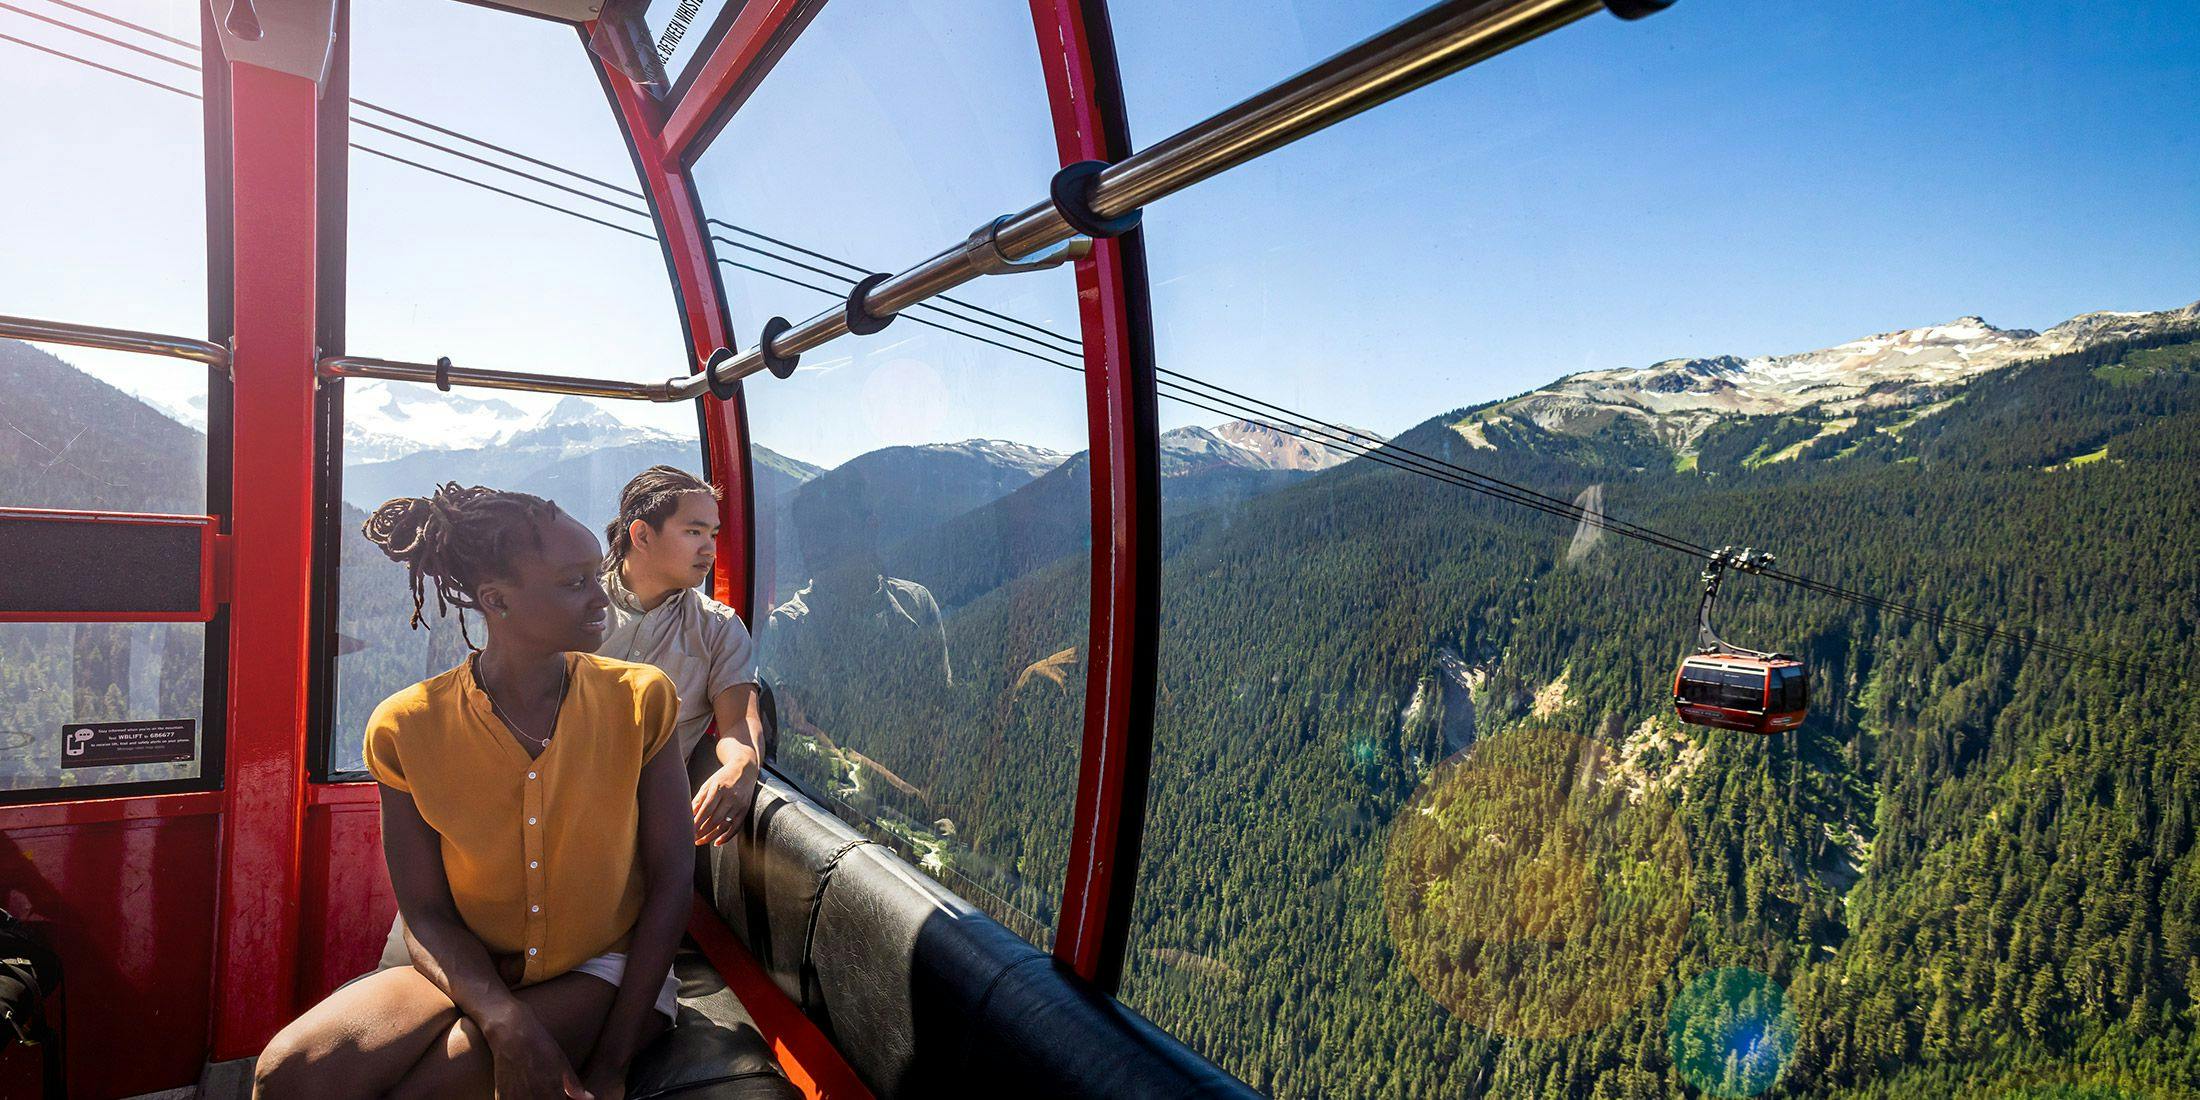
x=662, y=547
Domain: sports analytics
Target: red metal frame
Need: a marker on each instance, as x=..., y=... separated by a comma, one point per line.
x=345, y=891
x=120, y=887
x=208, y=561
x=808, y=1057
x=1077, y=51
x=703, y=316
x=275, y=176
x=738, y=59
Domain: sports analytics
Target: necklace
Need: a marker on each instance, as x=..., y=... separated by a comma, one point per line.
x=565, y=683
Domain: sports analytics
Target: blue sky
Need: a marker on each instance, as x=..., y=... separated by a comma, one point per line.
x=1726, y=177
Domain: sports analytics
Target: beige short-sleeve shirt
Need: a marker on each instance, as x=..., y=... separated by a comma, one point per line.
x=698, y=642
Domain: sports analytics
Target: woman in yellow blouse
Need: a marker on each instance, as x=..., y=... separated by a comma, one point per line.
x=538, y=841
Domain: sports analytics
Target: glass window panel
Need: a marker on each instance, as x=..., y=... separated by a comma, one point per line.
x=1385, y=705
x=924, y=514
x=443, y=268
x=103, y=431
x=105, y=185
x=83, y=428
x=57, y=677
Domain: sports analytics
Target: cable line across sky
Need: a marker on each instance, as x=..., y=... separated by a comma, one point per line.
x=1039, y=343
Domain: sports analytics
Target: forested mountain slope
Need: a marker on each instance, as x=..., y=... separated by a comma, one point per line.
x=1970, y=873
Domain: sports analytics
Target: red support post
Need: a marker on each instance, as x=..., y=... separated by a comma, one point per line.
x=1077, y=51
x=694, y=267
x=738, y=59
x=275, y=184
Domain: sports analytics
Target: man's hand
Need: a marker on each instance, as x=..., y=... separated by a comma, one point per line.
x=722, y=802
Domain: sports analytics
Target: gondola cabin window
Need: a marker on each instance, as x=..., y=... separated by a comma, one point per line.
x=923, y=499
x=444, y=267
x=84, y=429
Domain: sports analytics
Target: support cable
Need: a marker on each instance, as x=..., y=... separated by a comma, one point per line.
x=1175, y=385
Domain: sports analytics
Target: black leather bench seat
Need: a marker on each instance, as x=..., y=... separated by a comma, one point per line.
x=922, y=993
x=714, y=1052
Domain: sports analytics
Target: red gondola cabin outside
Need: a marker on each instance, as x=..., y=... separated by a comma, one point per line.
x=1735, y=692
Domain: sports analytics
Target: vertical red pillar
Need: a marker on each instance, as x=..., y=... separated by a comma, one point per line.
x=694, y=269
x=272, y=116
x=1077, y=52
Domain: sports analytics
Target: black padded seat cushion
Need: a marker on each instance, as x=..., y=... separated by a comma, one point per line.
x=901, y=969
x=922, y=993
x=714, y=1052
x=766, y=884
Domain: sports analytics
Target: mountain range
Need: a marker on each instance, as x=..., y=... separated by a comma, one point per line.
x=1675, y=401
x=1974, y=871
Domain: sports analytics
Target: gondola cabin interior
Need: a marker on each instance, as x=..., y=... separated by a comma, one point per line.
x=356, y=234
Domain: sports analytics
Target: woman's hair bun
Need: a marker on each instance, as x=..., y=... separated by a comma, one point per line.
x=454, y=539
x=400, y=527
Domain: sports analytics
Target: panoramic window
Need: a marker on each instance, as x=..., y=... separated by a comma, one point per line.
x=112, y=169
x=922, y=495
x=106, y=182
x=1423, y=821
x=444, y=266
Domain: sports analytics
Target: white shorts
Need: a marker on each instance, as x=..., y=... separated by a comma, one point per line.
x=611, y=967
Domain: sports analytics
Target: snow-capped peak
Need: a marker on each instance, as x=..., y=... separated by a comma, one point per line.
x=1003, y=452
x=384, y=420
x=1678, y=398
x=577, y=412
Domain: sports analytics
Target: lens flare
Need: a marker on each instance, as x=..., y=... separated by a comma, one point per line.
x=1731, y=1033
x=1531, y=891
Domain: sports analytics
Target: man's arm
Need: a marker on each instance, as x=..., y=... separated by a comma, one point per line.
x=668, y=876
x=722, y=802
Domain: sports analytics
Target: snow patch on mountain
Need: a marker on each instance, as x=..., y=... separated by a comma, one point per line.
x=1002, y=452
x=1678, y=398
x=383, y=421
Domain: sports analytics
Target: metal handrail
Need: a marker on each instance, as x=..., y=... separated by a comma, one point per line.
x=1434, y=44
x=115, y=339
x=433, y=374
x=1428, y=47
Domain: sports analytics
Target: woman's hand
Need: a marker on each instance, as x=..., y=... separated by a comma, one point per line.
x=529, y=1063
x=722, y=802
x=605, y=1084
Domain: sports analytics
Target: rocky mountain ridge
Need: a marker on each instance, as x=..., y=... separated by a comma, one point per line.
x=1677, y=399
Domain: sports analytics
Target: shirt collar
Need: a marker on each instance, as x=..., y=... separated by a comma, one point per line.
x=624, y=599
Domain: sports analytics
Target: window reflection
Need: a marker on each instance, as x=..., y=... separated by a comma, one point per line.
x=923, y=516
x=443, y=268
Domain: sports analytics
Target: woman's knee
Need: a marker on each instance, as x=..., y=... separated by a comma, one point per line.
x=287, y=1067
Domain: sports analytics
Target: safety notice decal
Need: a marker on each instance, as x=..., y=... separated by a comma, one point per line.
x=106, y=744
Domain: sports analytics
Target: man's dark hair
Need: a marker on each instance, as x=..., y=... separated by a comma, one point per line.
x=651, y=497
x=456, y=539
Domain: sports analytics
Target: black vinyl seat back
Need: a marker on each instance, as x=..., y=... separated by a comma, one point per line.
x=922, y=993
